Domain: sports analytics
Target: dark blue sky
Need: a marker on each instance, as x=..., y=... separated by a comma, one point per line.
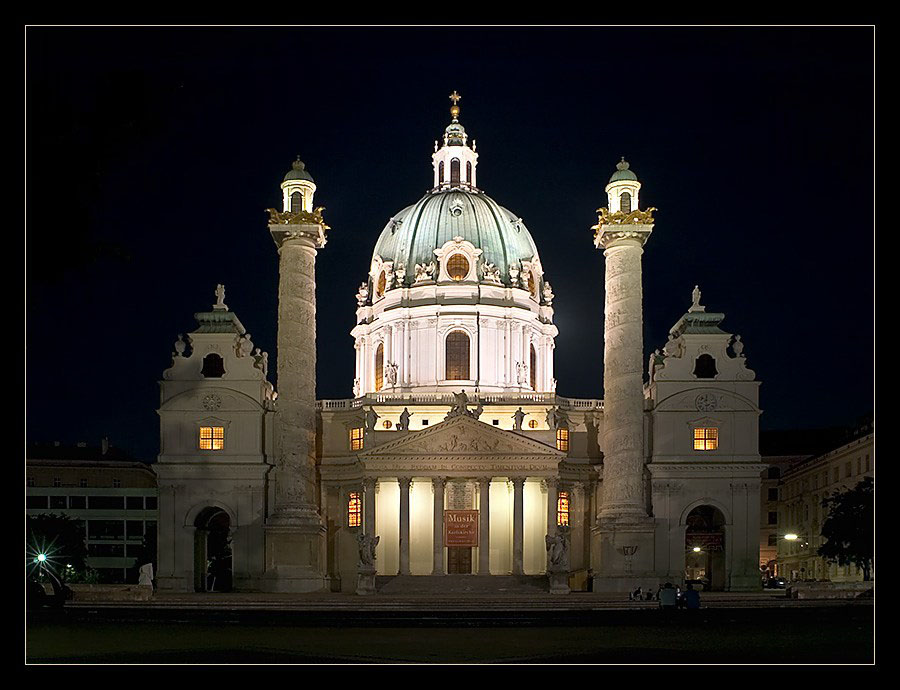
x=152, y=153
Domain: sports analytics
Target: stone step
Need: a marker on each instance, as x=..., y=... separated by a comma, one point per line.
x=460, y=584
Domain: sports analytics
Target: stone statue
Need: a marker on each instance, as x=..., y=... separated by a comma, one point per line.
x=262, y=361
x=557, y=551
x=425, y=271
x=245, y=346
x=461, y=401
x=656, y=360
x=519, y=417
x=367, y=544
x=673, y=347
x=548, y=294
x=179, y=346
x=513, y=275
x=371, y=418
x=476, y=413
x=552, y=418
x=220, y=297
x=362, y=295
x=404, y=420
x=400, y=274
x=491, y=273
x=145, y=574
x=390, y=373
x=695, y=296
x=737, y=346
x=520, y=373
x=357, y=388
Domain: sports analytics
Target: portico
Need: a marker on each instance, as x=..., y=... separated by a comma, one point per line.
x=507, y=480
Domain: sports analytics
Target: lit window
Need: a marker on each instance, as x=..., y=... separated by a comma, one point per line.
x=457, y=267
x=379, y=366
x=356, y=438
x=532, y=424
x=212, y=437
x=387, y=424
x=706, y=438
x=457, y=356
x=562, y=509
x=562, y=439
x=296, y=202
x=354, y=510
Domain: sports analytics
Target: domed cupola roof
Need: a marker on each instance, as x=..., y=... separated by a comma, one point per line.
x=412, y=235
x=298, y=171
x=622, y=172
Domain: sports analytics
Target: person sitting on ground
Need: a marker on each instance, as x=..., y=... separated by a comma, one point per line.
x=649, y=596
x=635, y=595
x=668, y=597
x=692, y=598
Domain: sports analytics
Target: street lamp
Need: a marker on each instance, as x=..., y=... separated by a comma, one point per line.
x=696, y=549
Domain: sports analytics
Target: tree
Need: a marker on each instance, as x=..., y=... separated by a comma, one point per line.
x=849, y=527
x=60, y=539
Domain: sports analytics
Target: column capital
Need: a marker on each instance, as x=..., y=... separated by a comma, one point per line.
x=518, y=481
x=405, y=482
x=483, y=481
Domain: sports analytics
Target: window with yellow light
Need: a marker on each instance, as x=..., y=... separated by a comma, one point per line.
x=212, y=437
x=354, y=510
x=562, y=509
x=356, y=438
x=706, y=438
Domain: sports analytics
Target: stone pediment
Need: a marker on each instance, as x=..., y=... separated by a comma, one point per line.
x=464, y=437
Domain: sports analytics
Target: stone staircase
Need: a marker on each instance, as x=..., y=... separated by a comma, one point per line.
x=461, y=584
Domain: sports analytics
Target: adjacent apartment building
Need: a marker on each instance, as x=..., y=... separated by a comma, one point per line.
x=114, y=496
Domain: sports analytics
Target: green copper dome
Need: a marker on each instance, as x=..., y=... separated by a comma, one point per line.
x=298, y=171
x=413, y=234
x=622, y=172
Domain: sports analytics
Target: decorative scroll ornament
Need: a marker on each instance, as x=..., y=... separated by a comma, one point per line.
x=299, y=218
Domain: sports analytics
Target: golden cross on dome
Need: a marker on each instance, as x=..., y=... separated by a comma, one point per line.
x=455, y=97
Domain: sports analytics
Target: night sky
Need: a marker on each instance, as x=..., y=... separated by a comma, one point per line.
x=153, y=152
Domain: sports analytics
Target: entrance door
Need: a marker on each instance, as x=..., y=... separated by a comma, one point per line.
x=459, y=560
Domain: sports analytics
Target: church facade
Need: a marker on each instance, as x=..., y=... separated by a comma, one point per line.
x=456, y=455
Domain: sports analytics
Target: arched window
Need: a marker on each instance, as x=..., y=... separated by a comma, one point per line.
x=454, y=171
x=625, y=202
x=533, y=368
x=457, y=356
x=457, y=267
x=441, y=172
x=705, y=367
x=296, y=202
x=213, y=366
x=379, y=367
x=469, y=172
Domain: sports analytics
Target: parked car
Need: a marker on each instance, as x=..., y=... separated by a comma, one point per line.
x=702, y=585
x=775, y=583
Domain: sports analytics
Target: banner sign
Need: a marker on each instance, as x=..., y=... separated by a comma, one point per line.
x=706, y=541
x=460, y=528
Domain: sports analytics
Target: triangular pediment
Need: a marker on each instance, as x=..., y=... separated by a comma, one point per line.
x=463, y=436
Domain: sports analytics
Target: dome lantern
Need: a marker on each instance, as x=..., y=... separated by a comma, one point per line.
x=298, y=189
x=455, y=161
x=622, y=189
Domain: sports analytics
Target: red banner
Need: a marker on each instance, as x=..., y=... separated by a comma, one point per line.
x=460, y=528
